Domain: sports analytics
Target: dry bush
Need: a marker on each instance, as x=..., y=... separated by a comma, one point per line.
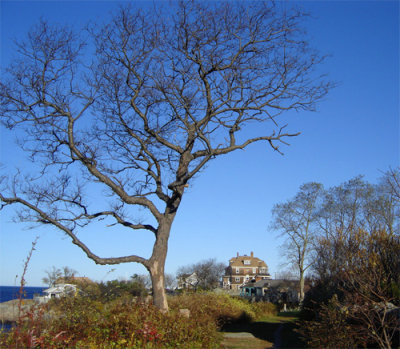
x=78, y=322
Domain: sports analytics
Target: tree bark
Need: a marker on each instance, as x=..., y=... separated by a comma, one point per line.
x=158, y=282
x=301, y=286
x=157, y=263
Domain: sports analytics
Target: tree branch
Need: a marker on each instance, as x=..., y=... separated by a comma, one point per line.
x=46, y=219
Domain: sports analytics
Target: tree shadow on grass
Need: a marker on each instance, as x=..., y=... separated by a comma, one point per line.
x=282, y=334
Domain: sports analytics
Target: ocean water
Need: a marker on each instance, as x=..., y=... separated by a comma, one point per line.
x=8, y=293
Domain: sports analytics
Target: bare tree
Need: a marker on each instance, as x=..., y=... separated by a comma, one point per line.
x=357, y=204
x=387, y=204
x=209, y=272
x=296, y=220
x=135, y=115
x=392, y=177
x=54, y=274
x=349, y=206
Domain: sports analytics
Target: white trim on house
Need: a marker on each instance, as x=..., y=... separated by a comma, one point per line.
x=58, y=291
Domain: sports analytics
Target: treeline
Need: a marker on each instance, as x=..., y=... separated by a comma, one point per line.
x=346, y=239
x=135, y=286
x=208, y=277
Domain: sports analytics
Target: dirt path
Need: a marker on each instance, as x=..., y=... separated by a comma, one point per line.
x=275, y=332
x=278, y=337
x=244, y=340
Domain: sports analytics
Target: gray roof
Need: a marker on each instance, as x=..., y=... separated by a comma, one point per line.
x=272, y=283
x=60, y=288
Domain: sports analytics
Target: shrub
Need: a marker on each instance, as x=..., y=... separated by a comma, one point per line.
x=364, y=290
x=114, y=289
x=83, y=323
x=332, y=330
x=221, y=308
x=262, y=309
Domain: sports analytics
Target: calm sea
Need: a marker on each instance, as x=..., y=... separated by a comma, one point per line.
x=8, y=293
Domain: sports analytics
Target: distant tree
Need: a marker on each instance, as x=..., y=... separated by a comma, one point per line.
x=164, y=92
x=209, y=272
x=348, y=207
x=55, y=274
x=145, y=280
x=114, y=289
x=52, y=275
x=296, y=219
x=387, y=203
x=287, y=274
x=357, y=204
x=170, y=281
x=392, y=178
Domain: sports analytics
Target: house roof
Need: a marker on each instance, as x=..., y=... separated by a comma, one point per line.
x=186, y=276
x=239, y=261
x=60, y=288
x=273, y=283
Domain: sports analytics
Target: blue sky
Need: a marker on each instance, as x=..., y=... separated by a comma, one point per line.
x=227, y=208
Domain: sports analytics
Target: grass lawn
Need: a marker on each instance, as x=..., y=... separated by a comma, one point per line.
x=273, y=331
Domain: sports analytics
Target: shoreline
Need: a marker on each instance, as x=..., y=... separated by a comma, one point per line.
x=9, y=309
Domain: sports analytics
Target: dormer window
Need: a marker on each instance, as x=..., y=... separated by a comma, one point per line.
x=247, y=262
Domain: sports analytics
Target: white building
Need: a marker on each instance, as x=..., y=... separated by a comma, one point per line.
x=58, y=291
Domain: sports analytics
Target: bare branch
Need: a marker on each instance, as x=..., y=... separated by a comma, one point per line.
x=46, y=219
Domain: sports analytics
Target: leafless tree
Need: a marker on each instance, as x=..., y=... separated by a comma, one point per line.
x=135, y=108
x=209, y=272
x=296, y=220
x=54, y=274
x=345, y=207
x=357, y=204
x=387, y=205
x=392, y=177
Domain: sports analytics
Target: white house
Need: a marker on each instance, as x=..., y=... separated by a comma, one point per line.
x=57, y=291
x=188, y=281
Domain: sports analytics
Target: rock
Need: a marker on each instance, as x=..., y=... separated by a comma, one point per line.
x=9, y=310
x=185, y=312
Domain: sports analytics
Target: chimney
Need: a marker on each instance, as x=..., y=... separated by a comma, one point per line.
x=238, y=255
x=252, y=254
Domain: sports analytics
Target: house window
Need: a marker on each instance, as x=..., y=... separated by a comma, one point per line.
x=247, y=262
x=237, y=270
x=237, y=279
x=254, y=270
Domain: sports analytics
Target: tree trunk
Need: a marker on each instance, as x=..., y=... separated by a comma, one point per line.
x=158, y=282
x=301, y=286
x=157, y=263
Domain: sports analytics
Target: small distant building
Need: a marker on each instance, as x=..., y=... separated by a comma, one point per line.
x=188, y=281
x=274, y=291
x=243, y=269
x=58, y=291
